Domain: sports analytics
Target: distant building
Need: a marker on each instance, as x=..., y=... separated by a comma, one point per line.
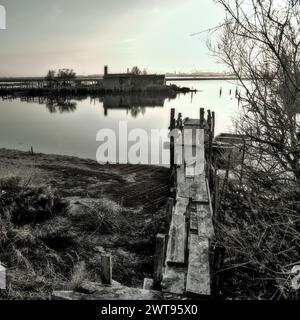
x=130, y=81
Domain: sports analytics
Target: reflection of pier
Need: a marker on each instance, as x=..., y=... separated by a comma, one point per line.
x=136, y=104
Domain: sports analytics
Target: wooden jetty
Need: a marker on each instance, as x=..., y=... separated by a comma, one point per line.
x=185, y=258
x=187, y=264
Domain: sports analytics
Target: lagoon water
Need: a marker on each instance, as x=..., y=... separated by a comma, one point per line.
x=70, y=128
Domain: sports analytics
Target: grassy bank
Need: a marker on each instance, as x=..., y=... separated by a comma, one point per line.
x=59, y=214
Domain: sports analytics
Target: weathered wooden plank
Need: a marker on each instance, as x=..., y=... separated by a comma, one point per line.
x=198, y=276
x=204, y=220
x=194, y=188
x=181, y=206
x=205, y=223
x=201, y=220
x=109, y=293
x=180, y=176
x=190, y=170
x=194, y=156
x=174, y=280
x=198, y=190
x=182, y=184
x=192, y=122
x=177, y=241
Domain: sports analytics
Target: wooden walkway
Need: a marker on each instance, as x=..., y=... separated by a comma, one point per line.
x=187, y=266
x=183, y=257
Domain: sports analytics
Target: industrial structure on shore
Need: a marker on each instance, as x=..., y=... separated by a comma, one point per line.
x=130, y=81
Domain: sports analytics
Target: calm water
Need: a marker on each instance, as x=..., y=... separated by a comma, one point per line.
x=70, y=128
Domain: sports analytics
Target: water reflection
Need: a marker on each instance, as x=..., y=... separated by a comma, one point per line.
x=134, y=104
x=69, y=124
x=60, y=104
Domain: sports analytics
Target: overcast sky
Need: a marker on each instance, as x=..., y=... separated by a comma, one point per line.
x=85, y=35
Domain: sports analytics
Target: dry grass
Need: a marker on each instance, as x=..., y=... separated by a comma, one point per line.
x=261, y=235
x=47, y=248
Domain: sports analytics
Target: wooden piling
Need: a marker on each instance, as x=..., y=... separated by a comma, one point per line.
x=159, y=259
x=148, y=284
x=201, y=118
x=170, y=205
x=218, y=262
x=172, y=140
x=106, y=269
x=216, y=197
x=213, y=124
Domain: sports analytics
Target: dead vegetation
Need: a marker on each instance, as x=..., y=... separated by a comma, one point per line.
x=260, y=231
x=47, y=246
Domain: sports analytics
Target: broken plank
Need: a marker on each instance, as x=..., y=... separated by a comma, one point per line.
x=201, y=221
x=198, y=276
x=174, y=280
x=193, y=222
x=177, y=241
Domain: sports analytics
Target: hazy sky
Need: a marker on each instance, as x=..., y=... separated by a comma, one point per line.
x=85, y=35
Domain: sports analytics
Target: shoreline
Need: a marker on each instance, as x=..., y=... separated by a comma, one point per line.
x=167, y=90
x=24, y=162
x=111, y=209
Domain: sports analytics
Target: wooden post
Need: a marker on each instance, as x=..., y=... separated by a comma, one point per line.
x=218, y=262
x=201, y=118
x=216, y=197
x=159, y=259
x=172, y=140
x=243, y=161
x=170, y=205
x=106, y=269
x=209, y=153
x=148, y=284
x=213, y=124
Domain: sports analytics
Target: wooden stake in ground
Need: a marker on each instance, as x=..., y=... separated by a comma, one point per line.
x=159, y=259
x=106, y=269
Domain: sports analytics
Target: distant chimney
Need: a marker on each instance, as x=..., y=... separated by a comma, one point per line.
x=105, y=70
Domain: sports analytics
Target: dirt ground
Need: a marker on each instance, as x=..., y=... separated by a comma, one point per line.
x=140, y=191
